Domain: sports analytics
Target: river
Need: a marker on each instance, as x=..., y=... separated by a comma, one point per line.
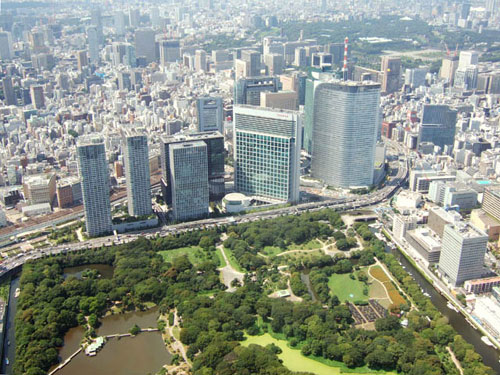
x=457, y=320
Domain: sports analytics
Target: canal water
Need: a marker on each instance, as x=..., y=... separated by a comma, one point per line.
x=457, y=320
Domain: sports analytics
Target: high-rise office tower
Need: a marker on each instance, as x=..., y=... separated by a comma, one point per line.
x=492, y=7
x=247, y=90
x=93, y=42
x=136, y=158
x=145, y=44
x=438, y=125
x=94, y=175
x=300, y=57
x=8, y=91
x=82, y=59
x=37, y=96
x=344, y=133
x=448, y=68
x=123, y=53
x=119, y=23
x=210, y=114
x=253, y=60
x=96, y=20
x=466, y=77
x=124, y=81
x=274, y=63
x=391, y=74
x=189, y=180
x=462, y=252
x=468, y=58
x=200, y=60
x=215, y=159
x=6, y=49
x=170, y=51
x=267, y=153
x=134, y=18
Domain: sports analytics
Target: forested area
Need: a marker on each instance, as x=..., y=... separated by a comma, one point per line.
x=213, y=327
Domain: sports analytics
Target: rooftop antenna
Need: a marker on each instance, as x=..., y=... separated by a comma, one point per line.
x=344, y=69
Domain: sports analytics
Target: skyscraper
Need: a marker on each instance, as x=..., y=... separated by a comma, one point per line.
x=6, y=49
x=438, y=125
x=145, y=44
x=94, y=175
x=215, y=161
x=37, y=96
x=134, y=17
x=267, y=153
x=82, y=59
x=391, y=74
x=96, y=21
x=136, y=158
x=169, y=51
x=200, y=60
x=344, y=133
x=448, y=68
x=210, y=114
x=468, y=58
x=189, y=180
x=247, y=90
x=93, y=42
x=253, y=60
x=462, y=253
x=8, y=91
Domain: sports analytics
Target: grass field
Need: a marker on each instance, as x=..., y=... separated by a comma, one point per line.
x=271, y=251
x=295, y=361
x=346, y=289
x=194, y=253
x=311, y=245
x=222, y=262
x=379, y=274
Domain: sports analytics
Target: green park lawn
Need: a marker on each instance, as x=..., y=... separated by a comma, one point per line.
x=346, y=289
x=232, y=260
x=295, y=361
x=311, y=245
x=272, y=251
x=194, y=253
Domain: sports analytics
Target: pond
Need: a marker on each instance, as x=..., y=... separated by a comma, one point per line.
x=149, y=352
x=105, y=270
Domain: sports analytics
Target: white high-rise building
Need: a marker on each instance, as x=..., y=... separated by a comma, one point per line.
x=267, y=152
x=94, y=175
x=136, y=158
x=462, y=253
x=468, y=58
x=93, y=42
x=210, y=114
x=344, y=132
x=6, y=49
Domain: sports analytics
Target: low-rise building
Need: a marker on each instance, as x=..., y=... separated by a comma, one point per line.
x=40, y=188
x=479, y=286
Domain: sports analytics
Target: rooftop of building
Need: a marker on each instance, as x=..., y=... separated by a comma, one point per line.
x=466, y=230
x=38, y=179
x=190, y=137
x=90, y=140
x=427, y=237
x=486, y=280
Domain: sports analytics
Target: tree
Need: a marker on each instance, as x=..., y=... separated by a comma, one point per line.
x=389, y=323
x=134, y=330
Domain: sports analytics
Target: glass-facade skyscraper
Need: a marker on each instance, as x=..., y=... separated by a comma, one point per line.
x=210, y=114
x=267, y=153
x=94, y=175
x=189, y=180
x=344, y=132
x=247, y=90
x=438, y=125
x=137, y=174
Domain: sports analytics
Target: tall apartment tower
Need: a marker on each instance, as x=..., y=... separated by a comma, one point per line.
x=37, y=96
x=215, y=161
x=438, y=125
x=189, y=180
x=462, y=252
x=267, y=153
x=210, y=114
x=391, y=74
x=247, y=90
x=82, y=59
x=145, y=45
x=137, y=174
x=94, y=175
x=344, y=133
x=8, y=91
